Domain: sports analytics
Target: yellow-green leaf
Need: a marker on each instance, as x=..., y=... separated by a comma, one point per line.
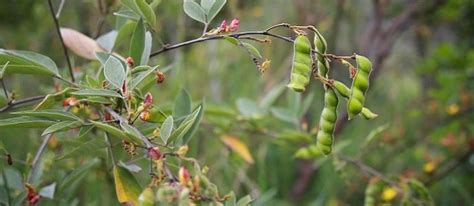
x=238, y=147
x=126, y=186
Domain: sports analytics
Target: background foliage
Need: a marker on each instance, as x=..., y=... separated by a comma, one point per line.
x=423, y=92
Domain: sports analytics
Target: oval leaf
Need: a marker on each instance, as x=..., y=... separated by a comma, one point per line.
x=25, y=122
x=137, y=44
x=114, y=72
x=126, y=186
x=215, y=9
x=96, y=92
x=166, y=129
x=61, y=126
x=147, y=12
x=193, y=10
x=80, y=44
x=238, y=147
x=26, y=62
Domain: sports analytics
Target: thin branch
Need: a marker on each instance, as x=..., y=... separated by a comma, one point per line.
x=21, y=102
x=448, y=167
x=34, y=163
x=109, y=148
x=4, y=88
x=371, y=171
x=56, y=24
x=218, y=37
x=60, y=9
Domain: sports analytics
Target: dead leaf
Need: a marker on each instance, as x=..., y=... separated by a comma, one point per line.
x=80, y=44
x=238, y=147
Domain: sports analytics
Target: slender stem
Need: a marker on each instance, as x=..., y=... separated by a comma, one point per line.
x=67, y=81
x=204, y=30
x=14, y=104
x=58, y=31
x=218, y=37
x=4, y=88
x=34, y=163
x=109, y=148
x=369, y=170
x=61, y=5
x=123, y=120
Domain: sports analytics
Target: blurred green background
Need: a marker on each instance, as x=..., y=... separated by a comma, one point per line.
x=422, y=88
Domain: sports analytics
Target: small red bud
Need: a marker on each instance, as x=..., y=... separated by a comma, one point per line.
x=145, y=115
x=154, y=153
x=183, y=175
x=160, y=77
x=223, y=26
x=32, y=196
x=130, y=62
x=124, y=87
x=234, y=25
x=148, y=99
x=70, y=101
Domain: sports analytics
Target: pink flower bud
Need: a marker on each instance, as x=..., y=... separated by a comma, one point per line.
x=183, y=175
x=130, y=61
x=223, y=26
x=234, y=25
x=148, y=99
x=154, y=153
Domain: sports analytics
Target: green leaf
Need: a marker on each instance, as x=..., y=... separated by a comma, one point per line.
x=107, y=40
x=147, y=12
x=2, y=70
x=76, y=176
x=187, y=137
x=114, y=72
x=375, y=133
x=141, y=76
x=131, y=4
x=97, y=92
x=232, y=40
x=284, y=115
x=306, y=104
x=131, y=132
x=244, y=201
x=247, y=107
x=166, y=129
x=184, y=126
x=250, y=48
x=182, y=104
x=193, y=10
x=49, y=100
x=270, y=98
x=88, y=147
x=137, y=44
x=61, y=126
x=25, y=122
x=50, y=114
x=215, y=9
x=26, y=62
x=48, y=191
x=128, y=14
x=207, y=4
x=146, y=49
x=112, y=130
x=126, y=186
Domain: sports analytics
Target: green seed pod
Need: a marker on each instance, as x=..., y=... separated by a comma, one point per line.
x=368, y=114
x=327, y=121
x=147, y=197
x=321, y=47
x=301, y=68
x=345, y=92
x=309, y=152
x=360, y=84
